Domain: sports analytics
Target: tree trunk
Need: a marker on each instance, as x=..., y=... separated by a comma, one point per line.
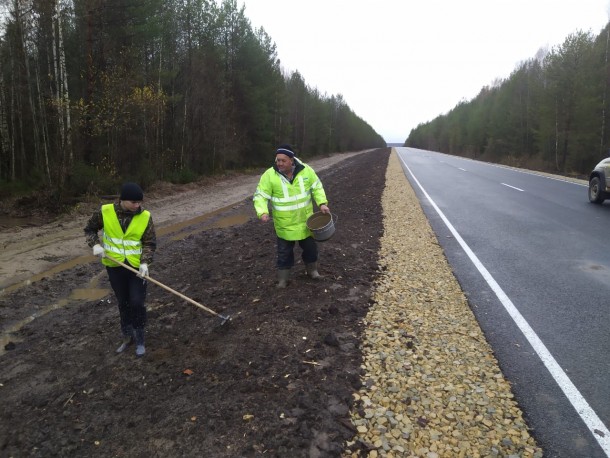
x=43, y=122
x=5, y=147
x=556, y=134
x=181, y=162
x=64, y=85
x=28, y=78
x=602, y=153
x=13, y=88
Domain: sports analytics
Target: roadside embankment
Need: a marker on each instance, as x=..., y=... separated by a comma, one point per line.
x=432, y=386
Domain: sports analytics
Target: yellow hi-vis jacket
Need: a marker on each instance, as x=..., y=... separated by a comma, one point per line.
x=121, y=245
x=291, y=203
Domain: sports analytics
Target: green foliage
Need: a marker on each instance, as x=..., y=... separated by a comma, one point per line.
x=550, y=114
x=87, y=180
x=182, y=176
x=14, y=188
x=153, y=90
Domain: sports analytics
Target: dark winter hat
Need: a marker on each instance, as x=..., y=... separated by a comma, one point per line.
x=131, y=191
x=285, y=149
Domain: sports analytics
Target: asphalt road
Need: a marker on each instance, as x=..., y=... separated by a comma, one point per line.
x=532, y=255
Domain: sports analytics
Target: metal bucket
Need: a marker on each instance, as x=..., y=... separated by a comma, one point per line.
x=322, y=225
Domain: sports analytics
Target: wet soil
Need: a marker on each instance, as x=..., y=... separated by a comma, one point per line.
x=275, y=380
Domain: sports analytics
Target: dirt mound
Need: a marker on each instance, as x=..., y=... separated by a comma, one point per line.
x=276, y=380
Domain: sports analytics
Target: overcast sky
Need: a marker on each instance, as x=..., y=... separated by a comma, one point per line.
x=399, y=63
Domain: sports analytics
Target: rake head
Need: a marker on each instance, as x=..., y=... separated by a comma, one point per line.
x=224, y=319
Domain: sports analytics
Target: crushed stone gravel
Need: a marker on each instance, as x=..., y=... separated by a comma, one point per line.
x=432, y=386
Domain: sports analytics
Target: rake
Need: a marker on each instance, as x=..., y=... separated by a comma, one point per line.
x=224, y=318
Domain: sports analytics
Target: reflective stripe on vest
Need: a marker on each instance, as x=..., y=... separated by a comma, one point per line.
x=288, y=202
x=121, y=245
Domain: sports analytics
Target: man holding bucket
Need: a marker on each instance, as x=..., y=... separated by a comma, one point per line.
x=290, y=185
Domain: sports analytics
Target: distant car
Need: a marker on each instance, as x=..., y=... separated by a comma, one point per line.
x=599, y=182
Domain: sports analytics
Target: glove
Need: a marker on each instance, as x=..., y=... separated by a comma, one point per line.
x=98, y=250
x=143, y=270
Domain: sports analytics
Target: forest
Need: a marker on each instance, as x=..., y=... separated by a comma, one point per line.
x=550, y=114
x=95, y=92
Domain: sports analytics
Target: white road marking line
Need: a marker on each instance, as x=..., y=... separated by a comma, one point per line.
x=597, y=428
x=518, y=189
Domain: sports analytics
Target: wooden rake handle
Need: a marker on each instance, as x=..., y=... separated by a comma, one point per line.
x=188, y=299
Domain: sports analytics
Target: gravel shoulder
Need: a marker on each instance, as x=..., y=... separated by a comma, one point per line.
x=432, y=387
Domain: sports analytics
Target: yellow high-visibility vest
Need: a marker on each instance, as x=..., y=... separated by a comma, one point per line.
x=291, y=203
x=121, y=245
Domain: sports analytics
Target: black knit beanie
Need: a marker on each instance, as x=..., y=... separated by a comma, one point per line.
x=285, y=149
x=131, y=191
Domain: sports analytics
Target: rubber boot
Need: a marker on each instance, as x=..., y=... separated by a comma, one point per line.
x=140, y=350
x=282, y=277
x=128, y=339
x=312, y=271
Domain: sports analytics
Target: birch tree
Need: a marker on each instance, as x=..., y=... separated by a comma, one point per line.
x=63, y=94
x=5, y=144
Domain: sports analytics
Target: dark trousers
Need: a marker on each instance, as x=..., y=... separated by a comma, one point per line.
x=285, y=252
x=130, y=291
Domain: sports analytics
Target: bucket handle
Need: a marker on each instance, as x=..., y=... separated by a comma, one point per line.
x=334, y=217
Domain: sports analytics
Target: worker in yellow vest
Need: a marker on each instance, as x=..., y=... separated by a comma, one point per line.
x=291, y=187
x=128, y=235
